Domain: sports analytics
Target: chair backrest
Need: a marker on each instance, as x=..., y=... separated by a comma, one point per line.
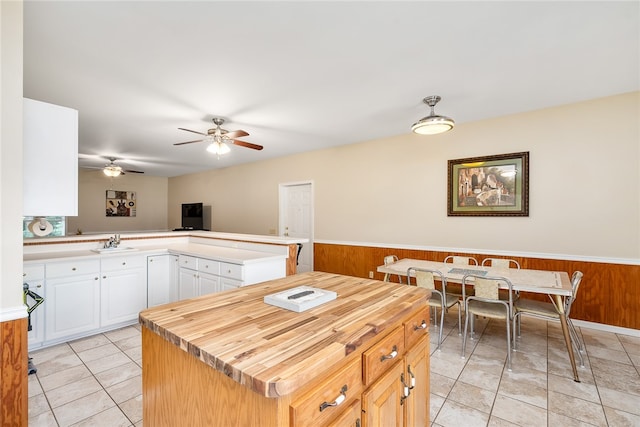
x=576, y=278
x=487, y=287
x=426, y=278
x=390, y=259
x=461, y=260
x=500, y=263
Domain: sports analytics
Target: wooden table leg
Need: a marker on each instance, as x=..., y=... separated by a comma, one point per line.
x=567, y=337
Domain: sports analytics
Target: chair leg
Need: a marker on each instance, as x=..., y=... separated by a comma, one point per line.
x=515, y=321
x=441, y=327
x=459, y=320
x=464, y=336
x=576, y=341
x=508, y=320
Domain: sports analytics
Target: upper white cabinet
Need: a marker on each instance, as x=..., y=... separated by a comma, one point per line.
x=50, y=163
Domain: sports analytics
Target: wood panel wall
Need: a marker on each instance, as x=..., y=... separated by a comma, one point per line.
x=13, y=373
x=608, y=294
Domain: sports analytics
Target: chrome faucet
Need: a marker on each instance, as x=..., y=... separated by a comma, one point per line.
x=113, y=241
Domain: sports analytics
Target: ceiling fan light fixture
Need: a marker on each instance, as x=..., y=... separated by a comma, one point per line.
x=112, y=171
x=432, y=124
x=218, y=148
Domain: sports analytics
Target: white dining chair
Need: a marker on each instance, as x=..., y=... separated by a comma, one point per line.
x=461, y=260
x=425, y=278
x=487, y=303
x=500, y=263
x=548, y=311
x=390, y=259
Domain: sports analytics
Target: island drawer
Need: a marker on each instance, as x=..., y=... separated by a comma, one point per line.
x=328, y=397
x=73, y=268
x=233, y=271
x=33, y=272
x=416, y=327
x=382, y=355
x=122, y=262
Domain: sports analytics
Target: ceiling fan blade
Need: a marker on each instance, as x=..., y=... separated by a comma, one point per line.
x=194, y=131
x=189, y=142
x=236, y=134
x=131, y=171
x=247, y=144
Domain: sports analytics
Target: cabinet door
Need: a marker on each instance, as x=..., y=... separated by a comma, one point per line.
x=161, y=281
x=123, y=295
x=226, y=284
x=381, y=403
x=187, y=283
x=208, y=283
x=416, y=406
x=72, y=305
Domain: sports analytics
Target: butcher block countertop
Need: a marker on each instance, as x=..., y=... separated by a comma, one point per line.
x=274, y=351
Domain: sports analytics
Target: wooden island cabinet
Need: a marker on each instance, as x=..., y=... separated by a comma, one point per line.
x=229, y=359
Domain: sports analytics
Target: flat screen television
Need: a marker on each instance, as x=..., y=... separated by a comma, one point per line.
x=192, y=216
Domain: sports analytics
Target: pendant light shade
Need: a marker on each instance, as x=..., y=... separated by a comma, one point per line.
x=112, y=170
x=432, y=124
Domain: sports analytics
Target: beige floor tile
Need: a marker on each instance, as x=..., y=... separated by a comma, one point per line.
x=620, y=400
x=470, y=395
x=620, y=418
x=605, y=353
x=480, y=378
x=33, y=386
x=126, y=389
x=83, y=408
x=122, y=333
x=616, y=376
x=568, y=386
x=57, y=364
x=64, y=377
x=89, y=342
x=453, y=414
x=435, y=403
x=525, y=385
x=130, y=342
x=98, y=352
x=45, y=419
x=440, y=385
x=579, y=409
x=133, y=408
x=112, y=417
x=499, y=422
x=118, y=374
x=565, y=421
x=50, y=353
x=65, y=394
x=108, y=362
x=38, y=405
x=134, y=353
x=518, y=412
x=631, y=347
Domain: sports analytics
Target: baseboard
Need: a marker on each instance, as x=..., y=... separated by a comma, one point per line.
x=606, y=328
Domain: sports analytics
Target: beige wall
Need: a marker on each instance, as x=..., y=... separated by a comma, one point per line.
x=584, y=186
x=151, y=194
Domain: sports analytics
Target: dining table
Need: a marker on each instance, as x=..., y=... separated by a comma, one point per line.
x=556, y=284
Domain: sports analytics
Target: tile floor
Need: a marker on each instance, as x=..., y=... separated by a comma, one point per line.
x=96, y=381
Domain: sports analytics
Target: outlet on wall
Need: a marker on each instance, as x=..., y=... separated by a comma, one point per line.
x=371, y=275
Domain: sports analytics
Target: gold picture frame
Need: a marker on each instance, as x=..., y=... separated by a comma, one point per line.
x=496, y=185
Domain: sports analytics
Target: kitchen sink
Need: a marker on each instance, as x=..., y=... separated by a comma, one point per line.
x=111, y=250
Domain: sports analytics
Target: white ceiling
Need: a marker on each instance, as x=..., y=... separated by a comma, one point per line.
x=301, y=76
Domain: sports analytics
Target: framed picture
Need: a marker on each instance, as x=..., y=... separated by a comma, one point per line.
x=495, y=185
x=121, y=203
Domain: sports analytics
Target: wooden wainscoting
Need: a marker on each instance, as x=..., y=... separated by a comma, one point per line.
x=609, y=293
x=13, y=371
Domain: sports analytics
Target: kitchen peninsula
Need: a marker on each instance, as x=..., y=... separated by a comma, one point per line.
x=88, y=288
x=231, y=359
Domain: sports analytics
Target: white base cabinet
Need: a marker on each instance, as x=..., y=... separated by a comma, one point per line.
x=123, y=290
x=197, y=276
x=162, y=279
x=72, y=304
x=33, y=275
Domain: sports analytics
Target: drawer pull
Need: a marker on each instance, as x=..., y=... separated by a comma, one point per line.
x=73, y=269
x=392, y=355
x=423, y=325
x=412, y=383
x=337, y=401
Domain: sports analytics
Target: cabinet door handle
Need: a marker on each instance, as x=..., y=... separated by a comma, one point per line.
x=38, y=286
x=104, y=277
x=412, y=383
x=96, y=278
x=392, y=355
x=73, y=269
x=338, y=400
x=124, y=263
x=423, y=325
x=406, y=390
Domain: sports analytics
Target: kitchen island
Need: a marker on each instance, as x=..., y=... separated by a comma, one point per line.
x=230, y=359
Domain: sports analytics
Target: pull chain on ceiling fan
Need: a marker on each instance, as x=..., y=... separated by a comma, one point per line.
x=219, y=138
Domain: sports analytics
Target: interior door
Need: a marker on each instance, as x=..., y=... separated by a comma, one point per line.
x=296, y=219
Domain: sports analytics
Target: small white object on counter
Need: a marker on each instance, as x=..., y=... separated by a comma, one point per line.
x=300, y=298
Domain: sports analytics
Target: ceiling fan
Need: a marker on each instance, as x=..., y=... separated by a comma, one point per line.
x=113, y=170
x=219, y=138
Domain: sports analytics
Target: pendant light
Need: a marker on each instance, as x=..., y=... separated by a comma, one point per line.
x=112, y=170
x=432, y=124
